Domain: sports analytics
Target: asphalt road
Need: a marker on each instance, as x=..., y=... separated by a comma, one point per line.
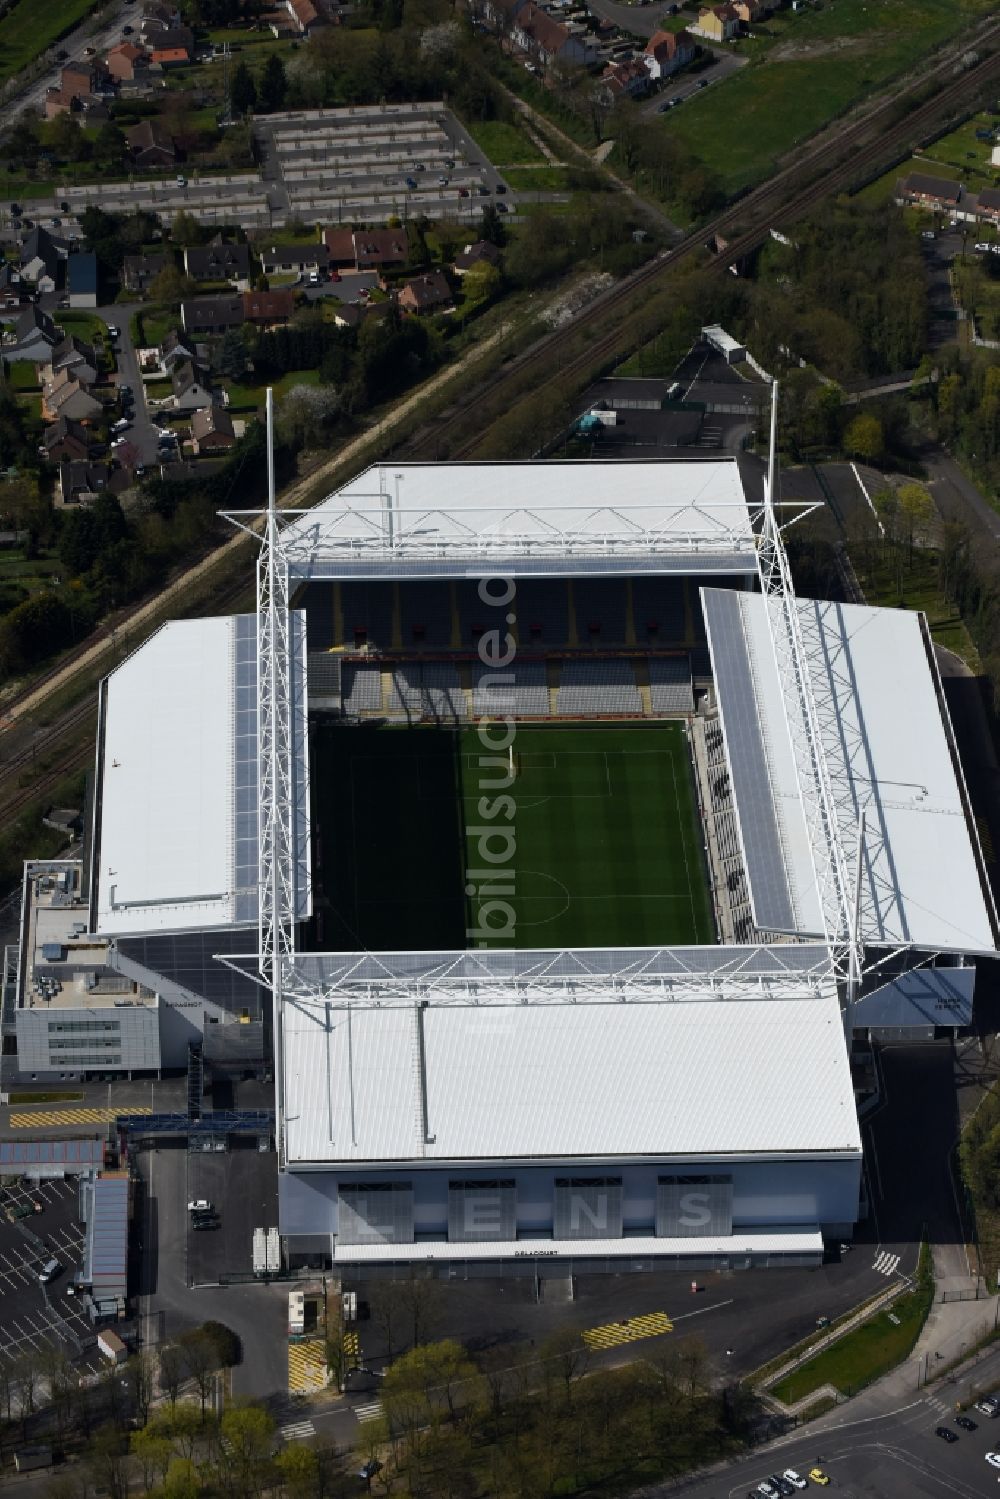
x=684, y=84
x=101, y=33
x=143, y=433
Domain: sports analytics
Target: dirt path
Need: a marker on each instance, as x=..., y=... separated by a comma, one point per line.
x=294, y=496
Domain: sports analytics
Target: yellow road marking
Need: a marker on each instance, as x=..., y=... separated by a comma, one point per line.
x=631, y=1330
x=352, y=1344
x=307, y=1369
x=49, y=1118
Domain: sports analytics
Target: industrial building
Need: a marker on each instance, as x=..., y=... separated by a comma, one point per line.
x=503, y=1110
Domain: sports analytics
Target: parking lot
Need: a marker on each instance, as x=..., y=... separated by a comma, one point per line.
x=33, y=1317
x=242, y=1185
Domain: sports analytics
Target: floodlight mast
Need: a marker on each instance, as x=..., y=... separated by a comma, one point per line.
x=276, y=904
x=825, y=818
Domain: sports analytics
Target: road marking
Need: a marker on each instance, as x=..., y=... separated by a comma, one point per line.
x=886, y=1263
x=352, y=1345
x=298, y=1430
x=50, y=1118
x=307, y=1369
x=631, y=1330
x=372, y=1412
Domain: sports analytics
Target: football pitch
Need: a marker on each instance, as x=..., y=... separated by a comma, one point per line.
x=599, y=844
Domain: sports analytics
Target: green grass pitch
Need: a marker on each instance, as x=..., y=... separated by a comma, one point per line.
x=603, y=848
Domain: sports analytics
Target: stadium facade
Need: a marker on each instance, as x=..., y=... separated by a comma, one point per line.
x=499, y=1108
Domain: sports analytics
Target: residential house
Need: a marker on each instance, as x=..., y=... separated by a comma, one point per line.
x=482, y=251
x=77, y=357
x=41, y=257
x=353, y=314
x=367, y=249
x=80, y=481
x=304, y=16
x=36, y=336
x=127, y=62
x=280, y=25
x=81, y=279
x=65, y=396
x=302, y=260
x=627, y=79
x=161, y=15
x=212, y=429
x=211, y=314
x=156, y=37
x=12, y=290
x=65, y=439
x=547, y=40
x=719, y=23
x=501, y=14
x=175, y=350
x=165, y=58
x=667, y=52
x=79, y=85
x=750, y=11
x=428, y=292
x=219, y=261
x=266, y=308
x=150, y=146
x=988, y=205
x=939, y=193
x=192, y=387
x=139, y=270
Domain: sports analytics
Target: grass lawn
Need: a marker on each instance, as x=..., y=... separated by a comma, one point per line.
x=920, y=589
x=505, y=145
x=84, y=324
x=871, y=1350
x=960, y=149
x=607, y=848
x=808, y=66
x=22, y=374
x=543, y=179
x=250, y=397
x=32, y=26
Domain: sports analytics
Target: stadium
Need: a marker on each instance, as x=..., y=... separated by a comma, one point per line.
x=564, y=855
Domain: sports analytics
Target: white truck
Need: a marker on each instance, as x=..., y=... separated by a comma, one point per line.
x=112, y=1346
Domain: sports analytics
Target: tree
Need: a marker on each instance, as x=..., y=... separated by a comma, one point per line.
x=170, y=287
x=201, y=1359
x=273, y=85
x=481, y=281
x=298, y=1470
x=242, y=91
x=185, y=229
x=917, y=509
x=181, y=1480
x=110, y=145
x=233, y=355
x=248, y=1434
x=172, y=1372
x=430, y=1374
x=864, y=439
x=306, y=413
x=566, y=1355
x=225, y=1341
x=139, y=1370
x=154, y=1450
x=66, y=137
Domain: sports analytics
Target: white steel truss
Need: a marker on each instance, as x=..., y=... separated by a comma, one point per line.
x=276, y=785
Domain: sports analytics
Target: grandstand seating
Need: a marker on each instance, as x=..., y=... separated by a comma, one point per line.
x=527, y=696
x=427, y=689
x=542, y=608
x=425, y=614
x=670, y=684
x=317, y=600
x=600, y=605
x=324, y=675
x=598, y=687
x=362, y=688
x=367, y=610
x=658, y=610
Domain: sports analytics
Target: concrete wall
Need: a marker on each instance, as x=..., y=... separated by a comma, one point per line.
x=117, y=1038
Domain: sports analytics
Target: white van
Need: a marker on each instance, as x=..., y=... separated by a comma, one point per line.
x=49, y=1271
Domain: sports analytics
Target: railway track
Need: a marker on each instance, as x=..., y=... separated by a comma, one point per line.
x=839, y=162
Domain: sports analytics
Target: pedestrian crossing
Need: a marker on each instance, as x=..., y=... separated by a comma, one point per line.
x=307, y=1369
x=372, y=1412
x=297, y=1431
x=886, y=1263
x=52, y=1118
x=629, y=1330
x=941, y=1406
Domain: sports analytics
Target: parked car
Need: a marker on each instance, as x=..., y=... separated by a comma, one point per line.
x=411, y=182
x=49, y=1271
x=126, y=31
x=463, y=192
x=704, y=82
x=64, y=207
x=199, y=1205
x=988, y=1406
x=780, y=1482
x=818, y=1476
x=993, y=1458
x=501, y=187
x=202, y=1222
x=966, y=1424
x=369, y=1469
x=795, y=1479
x=946, y=1434
x=114, y=332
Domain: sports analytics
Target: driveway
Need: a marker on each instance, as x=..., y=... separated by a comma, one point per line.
x=142, y=434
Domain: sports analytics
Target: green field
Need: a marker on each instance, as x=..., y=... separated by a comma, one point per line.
x=806, y=68
x=603, y=847
x=34, y=25
x=505, y=145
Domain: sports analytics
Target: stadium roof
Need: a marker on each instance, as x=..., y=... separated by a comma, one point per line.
x=592, y=1082
x=177, y=838
x=889, y=750
x=434, y=519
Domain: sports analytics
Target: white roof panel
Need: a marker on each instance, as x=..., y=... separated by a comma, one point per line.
x=167, y=781
x=889, y=750
x=546, y=514
x=807, y=1240
x=687, y=1078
